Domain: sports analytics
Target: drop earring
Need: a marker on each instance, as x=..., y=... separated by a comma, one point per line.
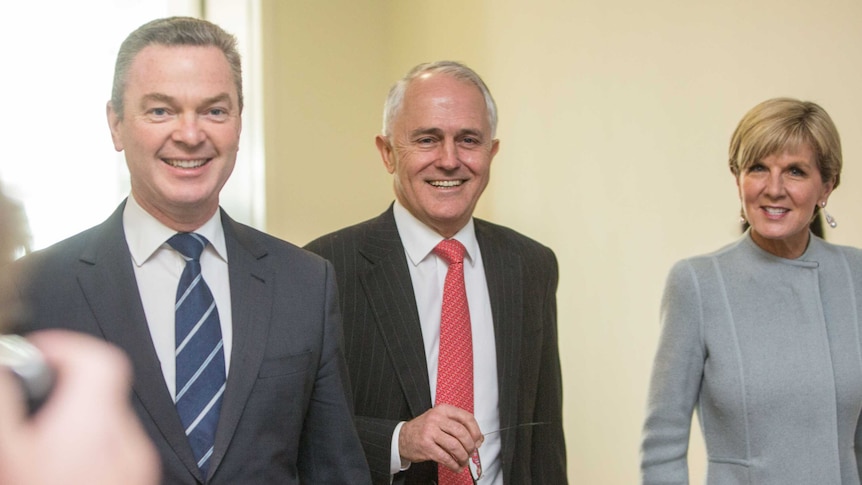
x=829, y=219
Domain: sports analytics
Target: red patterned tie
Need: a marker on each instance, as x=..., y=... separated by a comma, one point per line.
x=455, y=364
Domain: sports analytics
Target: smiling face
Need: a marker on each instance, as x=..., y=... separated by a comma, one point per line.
x=779, y=195
x=440, y=151
x=180, y=131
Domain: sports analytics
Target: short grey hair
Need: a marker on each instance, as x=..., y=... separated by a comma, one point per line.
x=174, y=31
x=395, y=99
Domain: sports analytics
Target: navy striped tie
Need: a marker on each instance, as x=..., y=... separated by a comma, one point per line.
x=199, y=351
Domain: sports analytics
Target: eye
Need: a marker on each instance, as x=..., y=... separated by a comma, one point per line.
x=756, y=168
x=797, y=172
x=425, y=140
x=470, y=140
x=158, y=114
x=217, y=113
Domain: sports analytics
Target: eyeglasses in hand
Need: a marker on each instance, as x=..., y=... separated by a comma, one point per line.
x=475, y=462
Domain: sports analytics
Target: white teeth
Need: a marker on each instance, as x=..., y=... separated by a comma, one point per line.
x=186, y=163
x=446, y=183
x=775, y=210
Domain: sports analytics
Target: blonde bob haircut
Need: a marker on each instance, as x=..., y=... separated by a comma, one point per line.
x=780, y=124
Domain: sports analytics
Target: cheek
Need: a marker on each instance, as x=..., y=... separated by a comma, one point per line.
x=748, y=190
x=401, y=178
x=227, y=137
x=810, y=197
x=409, y=169
x=478, y=162
x=143, y=140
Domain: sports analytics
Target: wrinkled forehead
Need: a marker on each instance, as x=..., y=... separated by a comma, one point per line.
x=434, y=97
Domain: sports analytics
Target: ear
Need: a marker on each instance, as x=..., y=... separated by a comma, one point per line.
x=386, y=152
x=827, y=188
x=495, y=147
x=114, y=123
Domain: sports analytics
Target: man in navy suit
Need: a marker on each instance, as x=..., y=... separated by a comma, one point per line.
x=438, y=142
x=282, y=414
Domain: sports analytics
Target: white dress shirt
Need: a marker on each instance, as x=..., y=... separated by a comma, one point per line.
x=158, y=268
x=428, y=274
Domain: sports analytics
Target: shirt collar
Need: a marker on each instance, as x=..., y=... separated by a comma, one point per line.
x=419, y=240
x=145, y=234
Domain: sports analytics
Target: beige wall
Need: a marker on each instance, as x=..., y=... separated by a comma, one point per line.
x=324, y=69
x=614, y=121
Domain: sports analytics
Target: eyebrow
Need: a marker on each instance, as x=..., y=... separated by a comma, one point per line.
x=439, y=132
x=164, y=98
x=425, y=131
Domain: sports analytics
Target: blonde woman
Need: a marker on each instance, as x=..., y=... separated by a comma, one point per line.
x=762, y=337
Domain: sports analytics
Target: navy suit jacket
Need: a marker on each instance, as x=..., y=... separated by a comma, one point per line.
x=286, y=416
x=386, y=356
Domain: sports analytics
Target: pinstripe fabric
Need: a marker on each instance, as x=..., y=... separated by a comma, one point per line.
x=386, y=357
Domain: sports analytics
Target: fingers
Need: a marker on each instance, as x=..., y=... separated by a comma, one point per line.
x=87, y=371
x=12, y=408
x=444, y=434
x=12, y=416
x=88, y=418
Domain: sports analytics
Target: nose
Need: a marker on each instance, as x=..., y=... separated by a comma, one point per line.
x=775, y=185
x=188, y=131
x=449, y=156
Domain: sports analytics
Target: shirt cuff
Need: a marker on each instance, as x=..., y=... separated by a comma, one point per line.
x=396, y=464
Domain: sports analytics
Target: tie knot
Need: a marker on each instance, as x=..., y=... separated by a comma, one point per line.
x=451, y=250
x=189, y=244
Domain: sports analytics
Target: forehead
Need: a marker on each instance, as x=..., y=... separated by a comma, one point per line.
x=796, y=151
x=799, y=149
x=167, y=68
x=441, y=99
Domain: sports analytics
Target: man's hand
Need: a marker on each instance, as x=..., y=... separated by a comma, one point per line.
x=444, y=434
x=86, y=432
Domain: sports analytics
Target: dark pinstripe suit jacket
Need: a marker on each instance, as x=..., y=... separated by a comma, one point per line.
x=285, y=418
x=386, y=357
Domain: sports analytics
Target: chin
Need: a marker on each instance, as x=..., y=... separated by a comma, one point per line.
x=779, y=235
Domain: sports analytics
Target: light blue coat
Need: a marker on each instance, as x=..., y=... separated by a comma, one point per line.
x=768, y=350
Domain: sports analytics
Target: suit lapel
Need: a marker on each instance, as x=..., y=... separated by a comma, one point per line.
x=251, y=299
x=505, y=290
x=389, y=290
x=110, y=287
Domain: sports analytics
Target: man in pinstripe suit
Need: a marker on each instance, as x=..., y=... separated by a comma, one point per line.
x=438, y=143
